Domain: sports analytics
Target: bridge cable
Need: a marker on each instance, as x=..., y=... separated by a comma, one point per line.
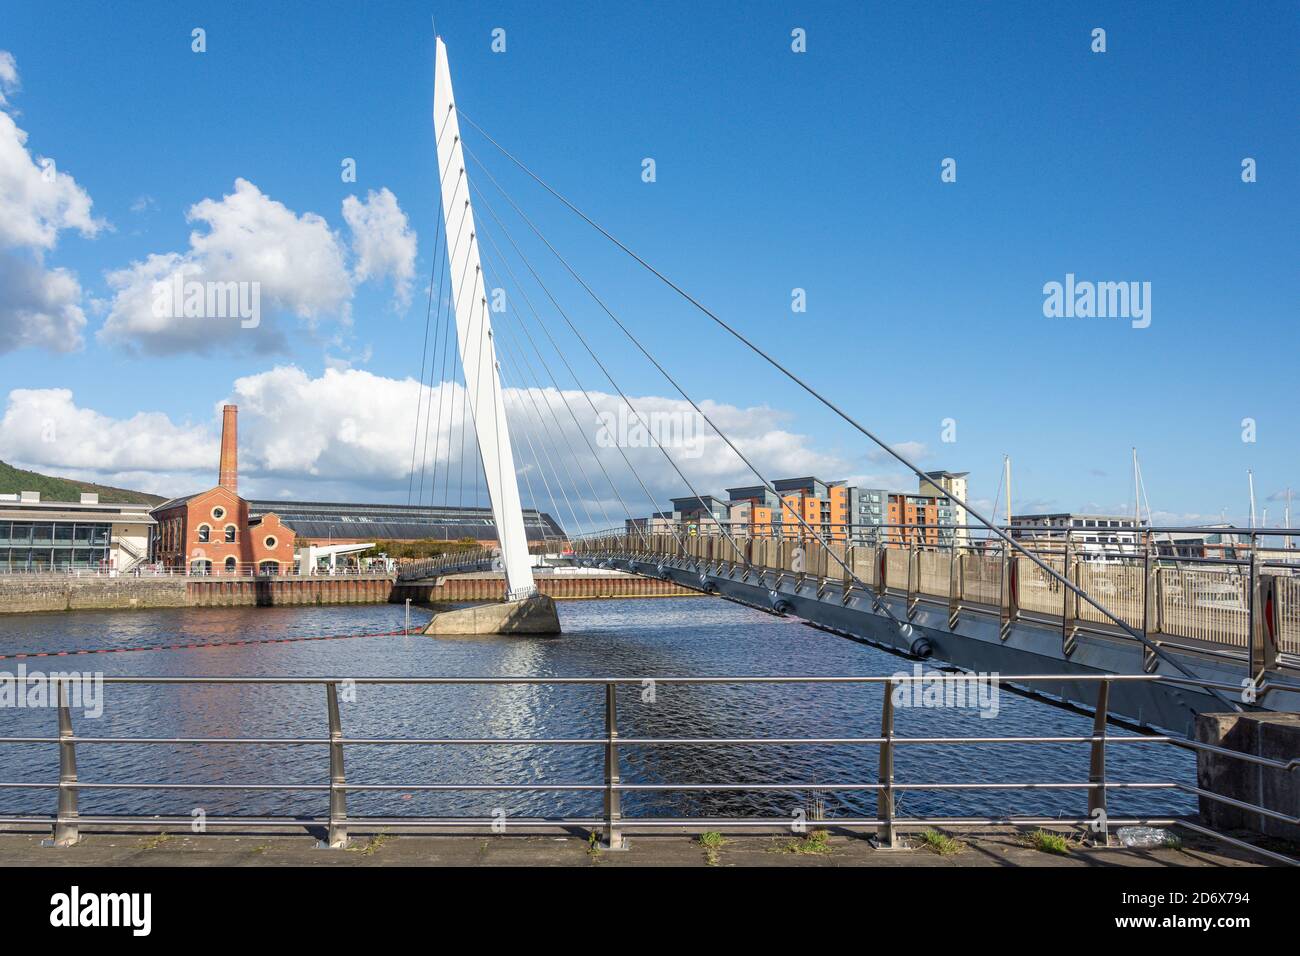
x=424, y=355
x=450, y=253
x=577, y=381
x=1151, y=646
x=877, y=604
x=424, y=455
x=601, y=365
x=523, y=353
x=549, y=440
x=564, y=399
x=537, y=461
x=424, y=348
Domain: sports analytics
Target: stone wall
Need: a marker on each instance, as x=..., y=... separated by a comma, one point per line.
x=484, y=588
x=277, y=592
x=21, y=593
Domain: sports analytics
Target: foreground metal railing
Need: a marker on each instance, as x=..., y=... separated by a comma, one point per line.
x=68, y=822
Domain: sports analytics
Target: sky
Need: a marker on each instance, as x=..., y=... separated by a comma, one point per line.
x=915, y=177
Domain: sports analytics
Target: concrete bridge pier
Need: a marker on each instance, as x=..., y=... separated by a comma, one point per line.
x=532, y=616
x=1266, y=775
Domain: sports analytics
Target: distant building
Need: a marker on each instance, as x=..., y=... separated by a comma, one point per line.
x=836, y=510
x=38, y=535
x=701, y=511
x=213, y=532
x=661, y=522
x=325, y=522
x=949, y=484
x=752, y=509
x=1099, y=537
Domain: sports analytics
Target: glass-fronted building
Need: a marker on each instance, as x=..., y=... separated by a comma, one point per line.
x=70, y=536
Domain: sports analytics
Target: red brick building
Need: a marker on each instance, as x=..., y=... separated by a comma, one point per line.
x=210, y=532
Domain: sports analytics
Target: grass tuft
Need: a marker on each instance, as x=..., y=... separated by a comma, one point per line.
x=816, y=842
x=1052, y=843
x=941, y=843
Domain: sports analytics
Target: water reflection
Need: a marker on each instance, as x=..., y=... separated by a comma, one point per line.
x=653, y=638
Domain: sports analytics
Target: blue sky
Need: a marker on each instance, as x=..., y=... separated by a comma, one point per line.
x=774, y=171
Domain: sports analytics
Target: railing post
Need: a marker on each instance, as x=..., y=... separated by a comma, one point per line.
x=885, y=833
x=1097, y=769
x=1266, y=623
x=338, y=825
x=954, y=589
x=66, y=832
x=913, y=578
x=613, y=797
x=1147, y=576
x=1069, y=603
x=1009, y=592
x=1256, y=659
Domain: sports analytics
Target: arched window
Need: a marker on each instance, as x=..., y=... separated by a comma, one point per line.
x=200, y=566
x=204, y=533
x=231, y=565
x=269, y=567
x=230, y=534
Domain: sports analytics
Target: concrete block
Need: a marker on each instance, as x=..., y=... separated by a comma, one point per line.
x=535, y=615
x=1272, y=735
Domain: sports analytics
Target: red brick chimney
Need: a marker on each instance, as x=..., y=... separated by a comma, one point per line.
x=228, y=472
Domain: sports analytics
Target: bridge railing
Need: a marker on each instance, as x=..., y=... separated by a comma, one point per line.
x=1093, y=816
x=1248, y=601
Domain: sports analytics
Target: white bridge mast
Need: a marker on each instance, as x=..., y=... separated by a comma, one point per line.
x=474, y=336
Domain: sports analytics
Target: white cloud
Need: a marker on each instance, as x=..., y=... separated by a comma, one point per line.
x=8, y=75
x=38, y=307
x=382, y=240
x=348, y=433
x=298, y=261
x=36, y=199
x=45, y=428
x=912, y=450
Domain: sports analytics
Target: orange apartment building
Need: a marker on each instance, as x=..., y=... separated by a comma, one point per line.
x=210, y=532
x=837, y=510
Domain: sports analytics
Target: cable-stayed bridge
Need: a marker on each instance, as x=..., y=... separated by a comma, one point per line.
x=1225, y=636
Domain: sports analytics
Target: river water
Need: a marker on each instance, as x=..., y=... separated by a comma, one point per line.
x=642, y=638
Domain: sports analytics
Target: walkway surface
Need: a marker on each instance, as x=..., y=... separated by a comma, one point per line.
x=1000, y=847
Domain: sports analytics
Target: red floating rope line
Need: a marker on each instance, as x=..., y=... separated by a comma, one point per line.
x=403, y=632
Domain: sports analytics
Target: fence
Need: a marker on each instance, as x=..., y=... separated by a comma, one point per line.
x=1212, y=602
x=67, y=822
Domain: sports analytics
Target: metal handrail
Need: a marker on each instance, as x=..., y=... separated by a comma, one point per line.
x=67, y=822
x=1156, y=596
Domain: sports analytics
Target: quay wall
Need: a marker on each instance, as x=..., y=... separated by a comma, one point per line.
x=484, y=588
x=21, y=593
x=28, y=593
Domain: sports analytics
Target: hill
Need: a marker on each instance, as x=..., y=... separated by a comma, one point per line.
x=13, y=480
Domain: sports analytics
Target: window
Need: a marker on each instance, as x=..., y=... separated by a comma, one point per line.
x=218, y=513
x=270, y=542
x=269, y=567
x=231, y=565
x=204, y=533
x=230, y=534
